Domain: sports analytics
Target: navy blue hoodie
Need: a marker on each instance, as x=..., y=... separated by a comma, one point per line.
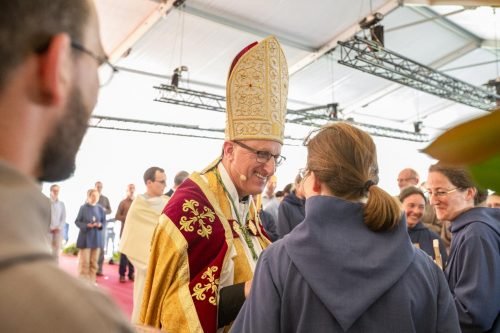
x=473, y=270
x=333, y=274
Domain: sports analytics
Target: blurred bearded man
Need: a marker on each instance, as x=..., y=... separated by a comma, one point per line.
x=49, y=57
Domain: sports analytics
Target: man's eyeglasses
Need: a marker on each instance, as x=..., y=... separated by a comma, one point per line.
x=263, y=156
x=440, y=194
x=106, y=69
x=405, y=179
x=163, y=182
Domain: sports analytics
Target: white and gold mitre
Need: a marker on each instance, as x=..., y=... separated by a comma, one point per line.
x=257, y=89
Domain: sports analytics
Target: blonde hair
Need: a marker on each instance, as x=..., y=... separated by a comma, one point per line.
x=344, y=159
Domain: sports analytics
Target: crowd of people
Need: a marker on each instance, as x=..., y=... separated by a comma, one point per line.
x=222, y=250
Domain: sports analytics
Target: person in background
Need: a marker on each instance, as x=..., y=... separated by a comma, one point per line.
x=209, y=238
x=57, y=220
x=49, y=58
x=104, y=202
x=142, y=219
x=349, y=266
x=91, y=220
x=178, y=179
x=267, y=220
x=121, y=215
x=413, y=201
x=270, y=202
x=407, y=177
x=473, y=270
x=292, y=209
x=493, y=200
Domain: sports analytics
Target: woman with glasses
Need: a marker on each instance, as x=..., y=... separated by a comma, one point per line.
x=414, y=205
x=349, y=266
x=473, y=270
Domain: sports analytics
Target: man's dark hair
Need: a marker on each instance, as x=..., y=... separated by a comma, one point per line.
x=26, y=26
x=180, y=177
x=150, y=174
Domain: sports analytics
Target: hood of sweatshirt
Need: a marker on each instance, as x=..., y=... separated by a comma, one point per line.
x=357, y=265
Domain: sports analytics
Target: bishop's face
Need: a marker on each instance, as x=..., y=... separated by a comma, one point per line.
x=247, y=170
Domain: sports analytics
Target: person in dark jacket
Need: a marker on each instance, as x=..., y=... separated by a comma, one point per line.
x=269, y=225
x=349, y=266
x=91, y=220
x=473, y=270
x=291, y=210
x=414, y=203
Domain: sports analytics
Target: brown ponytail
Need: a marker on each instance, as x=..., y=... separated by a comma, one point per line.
x=344, y=158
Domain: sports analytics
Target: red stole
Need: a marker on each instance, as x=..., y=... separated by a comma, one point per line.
x=207, y=247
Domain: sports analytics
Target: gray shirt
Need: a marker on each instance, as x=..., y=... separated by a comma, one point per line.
x=36, y=295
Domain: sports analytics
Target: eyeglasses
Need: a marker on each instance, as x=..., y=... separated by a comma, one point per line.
x=106, y=69
x=263, y=156
x=303, y=173
x=405, y=179
x=163, y=182
x=440, y=194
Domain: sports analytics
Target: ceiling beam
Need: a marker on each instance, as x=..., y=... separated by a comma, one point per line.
x=386, y=8
x=446, y=59
x=146, y=24
x=242, y=27
x=465, y=3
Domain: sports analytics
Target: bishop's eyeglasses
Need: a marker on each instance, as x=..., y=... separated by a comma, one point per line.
x=262, y=155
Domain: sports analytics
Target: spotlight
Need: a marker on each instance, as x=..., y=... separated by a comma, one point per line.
x=332, y=110
x=371, y=20
x=418, y=126
x=178, y=75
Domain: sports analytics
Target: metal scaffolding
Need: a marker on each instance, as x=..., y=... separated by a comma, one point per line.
x=370, y=57
x=311, y=117
x=154, y=127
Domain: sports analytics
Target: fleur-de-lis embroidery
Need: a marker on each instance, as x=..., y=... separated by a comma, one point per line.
x=201, y=219
x=211, y=286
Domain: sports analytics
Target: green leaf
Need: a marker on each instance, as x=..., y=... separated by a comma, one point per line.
x=487, y=173
x=469, y=143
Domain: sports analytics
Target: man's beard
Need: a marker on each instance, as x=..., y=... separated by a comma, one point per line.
x=59, y=153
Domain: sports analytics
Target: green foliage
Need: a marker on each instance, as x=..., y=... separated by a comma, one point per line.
x=71, y=249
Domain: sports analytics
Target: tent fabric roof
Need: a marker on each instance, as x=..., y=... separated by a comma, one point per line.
x=206, y=35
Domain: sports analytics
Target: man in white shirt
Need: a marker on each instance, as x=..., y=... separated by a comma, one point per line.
x=57, y=220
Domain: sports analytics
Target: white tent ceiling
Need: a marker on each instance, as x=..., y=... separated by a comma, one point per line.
x=205, y=35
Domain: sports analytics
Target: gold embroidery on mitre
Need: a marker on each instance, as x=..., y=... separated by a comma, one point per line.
x=211, y=286
x=201, y=219
x=257, y=90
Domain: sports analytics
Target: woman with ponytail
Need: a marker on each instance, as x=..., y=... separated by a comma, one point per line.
x=349, y=266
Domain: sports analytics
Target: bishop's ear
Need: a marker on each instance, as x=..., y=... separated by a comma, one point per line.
x=55, y=67
x=228, y=149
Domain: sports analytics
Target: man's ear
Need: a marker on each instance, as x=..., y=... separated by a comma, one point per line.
x=228, y=149
x=55, y=71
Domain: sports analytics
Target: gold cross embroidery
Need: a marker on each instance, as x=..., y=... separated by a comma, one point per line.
x=200, y=218
x=199, y=289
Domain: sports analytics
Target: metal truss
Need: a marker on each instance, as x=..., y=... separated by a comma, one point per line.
x=310, y=117
x=372, y=58
x=154, y=127
x=196, y=99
